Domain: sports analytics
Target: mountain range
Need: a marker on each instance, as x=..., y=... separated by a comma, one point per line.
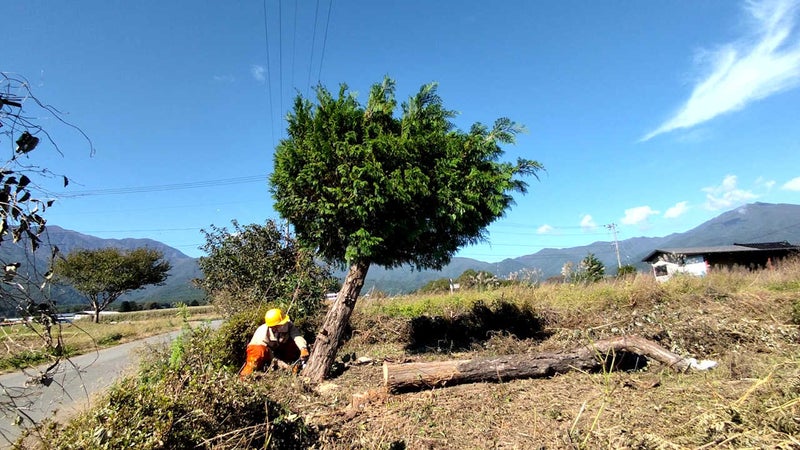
x=755, y=222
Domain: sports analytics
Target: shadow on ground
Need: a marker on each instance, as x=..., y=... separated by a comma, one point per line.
x=462, y=332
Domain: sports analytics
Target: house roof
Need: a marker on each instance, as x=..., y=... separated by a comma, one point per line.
x=735, y=248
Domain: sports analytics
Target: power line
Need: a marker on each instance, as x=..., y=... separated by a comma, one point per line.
x=280, y=55
x=165, y=187
x=324, y=40
x=269, y=76
x=313, y=40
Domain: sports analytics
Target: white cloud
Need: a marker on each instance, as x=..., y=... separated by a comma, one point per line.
x=587, y=222
x=767, y=184
x=637, y=215
x=259, y=73
x=676, y=211
x=792, y=185
x=544, y=229
x=726, y=194
x=759, y=65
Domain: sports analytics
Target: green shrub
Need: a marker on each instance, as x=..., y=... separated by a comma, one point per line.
x=182, y=400
x=796, y=312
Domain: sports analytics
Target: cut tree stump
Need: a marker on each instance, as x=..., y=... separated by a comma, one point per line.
x=405, y=377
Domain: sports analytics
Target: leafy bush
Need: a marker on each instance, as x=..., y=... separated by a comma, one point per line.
x=257, y=262
x=181, y=400
x=230, y=341
x=796, y=312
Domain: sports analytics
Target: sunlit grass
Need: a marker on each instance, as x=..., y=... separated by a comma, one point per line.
x=24, y=345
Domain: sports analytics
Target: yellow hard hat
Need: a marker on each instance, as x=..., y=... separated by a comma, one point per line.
x=275, y=317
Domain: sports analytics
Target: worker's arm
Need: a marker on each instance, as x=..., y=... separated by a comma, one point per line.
x=299, y=340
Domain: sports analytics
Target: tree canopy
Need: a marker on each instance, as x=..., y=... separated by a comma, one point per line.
x=105, y=274
x=358, y=183
x=362, y=186
x=256, y=264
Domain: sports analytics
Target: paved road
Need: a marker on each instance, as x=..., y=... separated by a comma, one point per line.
x=73, y=384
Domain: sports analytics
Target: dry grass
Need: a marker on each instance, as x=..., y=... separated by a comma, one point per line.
x=741, y=320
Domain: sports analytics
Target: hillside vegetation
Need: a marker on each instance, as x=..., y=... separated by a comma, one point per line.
x=188, y=396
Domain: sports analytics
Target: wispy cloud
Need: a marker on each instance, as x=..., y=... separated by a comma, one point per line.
x=259, y=73
x=545, y=229
x=792, y=185
x=587, y=223
x=637, y=215
x=763, y=63
x=224, y=78
x=726, y=195
x=676, y=211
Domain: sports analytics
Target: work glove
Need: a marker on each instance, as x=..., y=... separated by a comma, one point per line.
x=304, y=355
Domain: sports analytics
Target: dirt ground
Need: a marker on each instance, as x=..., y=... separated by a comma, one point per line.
x=750, y=400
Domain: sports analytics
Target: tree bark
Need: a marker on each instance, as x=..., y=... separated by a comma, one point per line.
x=423, y=375
x=330, y=335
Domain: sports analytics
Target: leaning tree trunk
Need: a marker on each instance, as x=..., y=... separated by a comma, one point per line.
x=422, y=375
x=330, y=335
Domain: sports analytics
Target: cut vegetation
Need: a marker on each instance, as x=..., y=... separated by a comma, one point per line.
x=188, y=396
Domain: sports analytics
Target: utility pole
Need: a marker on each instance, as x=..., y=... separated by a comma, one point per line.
x=613, y=228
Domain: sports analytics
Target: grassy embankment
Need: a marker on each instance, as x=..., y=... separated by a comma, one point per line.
x=746, y=321
x=23, y=346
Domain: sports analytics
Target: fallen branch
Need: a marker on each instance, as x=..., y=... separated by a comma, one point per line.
x=590, y=358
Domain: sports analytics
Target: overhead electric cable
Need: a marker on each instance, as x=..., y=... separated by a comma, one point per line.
x=313, y=39
x=324, y=40
x=280, y=57
x=294, y=40
x=269, y=77
x=166, y=187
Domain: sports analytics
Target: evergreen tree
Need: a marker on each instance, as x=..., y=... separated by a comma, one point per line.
x=363, y=187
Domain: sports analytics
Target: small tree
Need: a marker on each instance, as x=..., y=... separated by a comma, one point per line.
x=363, y=187
x=104, y=275
x=625, y=270
x=590, y=270
x=255, y=264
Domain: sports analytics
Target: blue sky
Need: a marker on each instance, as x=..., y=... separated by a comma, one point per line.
x=654, y=116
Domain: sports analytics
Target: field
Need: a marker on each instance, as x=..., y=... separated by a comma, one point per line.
x=745, y=321
x=26, y=345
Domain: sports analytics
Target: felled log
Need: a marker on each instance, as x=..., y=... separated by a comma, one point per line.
x=421, y=375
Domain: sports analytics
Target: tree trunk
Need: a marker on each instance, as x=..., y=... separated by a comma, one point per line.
x=329, y=337
x=422, y=375
x=96, y=308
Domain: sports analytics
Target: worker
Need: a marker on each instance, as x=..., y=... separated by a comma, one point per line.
x=277, y=338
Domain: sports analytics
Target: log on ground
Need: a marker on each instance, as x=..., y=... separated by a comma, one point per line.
x=422, y=375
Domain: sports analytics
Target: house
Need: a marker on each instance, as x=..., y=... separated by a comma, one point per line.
x=698, y=260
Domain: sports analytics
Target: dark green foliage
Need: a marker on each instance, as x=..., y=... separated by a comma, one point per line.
x=128, y=306
x=105, y=274
x=434, y=286
x=257, y=264
x=359, y=184
x=796, y=312
x=590, y=270
x=627, y=269
x=460, y=332
x=232, y=337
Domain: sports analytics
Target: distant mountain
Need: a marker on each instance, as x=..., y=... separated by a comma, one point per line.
x=178, y=286
x=756, y=222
